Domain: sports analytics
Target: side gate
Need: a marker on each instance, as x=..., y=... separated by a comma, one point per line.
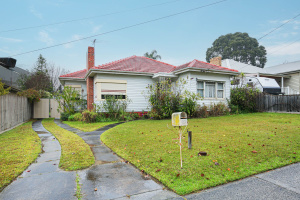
x=45, y=108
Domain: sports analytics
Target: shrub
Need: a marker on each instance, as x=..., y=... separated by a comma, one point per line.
x=78, y=117
x=202, y=112
x=244, y=98
x=64, y=116
x=3, y=91
x=218, y=109
x=89, y=116
x=166, y=97
x=71, y=118
x=115, y=107
x=213, y=110
x=31, y=94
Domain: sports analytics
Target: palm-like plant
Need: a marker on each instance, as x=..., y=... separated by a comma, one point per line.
x=152, y=55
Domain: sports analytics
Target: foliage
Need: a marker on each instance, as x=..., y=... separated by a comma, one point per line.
x=243, y=99
x=213, y=110
x=68, y=100
x=165, y=99
x=78, y=117
x=115, y=107
x=3, y=91
x=18, y=148
x=38, y=79
x=73, y=157
x=153, y=55
x=31, y=94
x=70, y=118
x=64, y=116
x=89, y=116
x=88, y=127
x=239, y=47
x=229, y=141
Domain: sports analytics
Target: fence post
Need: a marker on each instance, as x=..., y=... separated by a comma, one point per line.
x=190, y=139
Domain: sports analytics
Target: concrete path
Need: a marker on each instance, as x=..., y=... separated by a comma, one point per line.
x=113, y=178
x=43, y=179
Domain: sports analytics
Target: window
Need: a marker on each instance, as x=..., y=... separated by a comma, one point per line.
x=77, y=88
x=108, y=88
x=200, y=88
x=209, y=89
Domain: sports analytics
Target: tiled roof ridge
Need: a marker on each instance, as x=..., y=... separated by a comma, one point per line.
x=69, y=75
x=157, y=61
x=216, y=65
x=113, y=62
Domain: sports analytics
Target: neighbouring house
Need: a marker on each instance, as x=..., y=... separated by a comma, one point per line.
x=287, y=75
x=9, y=73
x=130, y=76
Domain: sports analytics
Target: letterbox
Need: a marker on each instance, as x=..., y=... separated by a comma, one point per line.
x=179, y=119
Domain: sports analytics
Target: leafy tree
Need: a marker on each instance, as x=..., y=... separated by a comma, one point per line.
x=152, y=55
x=3, y=91
x=38, y=79
x=239, y=47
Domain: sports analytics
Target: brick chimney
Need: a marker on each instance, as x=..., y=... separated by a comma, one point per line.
x=216, y=61
x=90, y=80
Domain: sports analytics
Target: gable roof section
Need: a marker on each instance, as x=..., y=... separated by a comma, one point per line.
x=203, y=65
x=78, y=74
x=284, y=68
x=137, y=64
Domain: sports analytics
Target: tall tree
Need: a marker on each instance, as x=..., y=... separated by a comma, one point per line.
x=38, y=79
x=152, y=55
x=239, y=47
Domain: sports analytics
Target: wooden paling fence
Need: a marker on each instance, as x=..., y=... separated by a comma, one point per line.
x=14, y=110
x=278, y=103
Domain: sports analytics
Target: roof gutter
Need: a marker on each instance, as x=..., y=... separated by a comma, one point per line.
x=103, y=71
x=205, y=70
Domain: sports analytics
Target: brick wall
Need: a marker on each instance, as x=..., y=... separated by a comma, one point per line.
x=90, y=80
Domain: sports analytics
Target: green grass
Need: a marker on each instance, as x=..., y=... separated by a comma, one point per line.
x=19, y=147
x=75, y=153
x=87, y=127
x=78, y=188
x=229, y=140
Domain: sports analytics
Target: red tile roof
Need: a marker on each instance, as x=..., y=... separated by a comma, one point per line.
x=137, y=64
x=202, y=65
x=78, y=74
x=147, y=65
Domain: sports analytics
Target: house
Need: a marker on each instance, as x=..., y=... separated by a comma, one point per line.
x=9, y=73
x=287, y=75
x=130, y=76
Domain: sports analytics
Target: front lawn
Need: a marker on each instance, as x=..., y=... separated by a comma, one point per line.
x=75, y=153
x=87, y=127
x=19, y=147
x=238, y=146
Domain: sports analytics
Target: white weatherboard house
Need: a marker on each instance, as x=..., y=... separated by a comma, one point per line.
x=129, y=78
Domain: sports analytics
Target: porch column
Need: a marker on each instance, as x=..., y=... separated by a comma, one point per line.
x=282, y=82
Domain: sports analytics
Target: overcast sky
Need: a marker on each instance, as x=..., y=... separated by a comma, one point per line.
x=178, y=39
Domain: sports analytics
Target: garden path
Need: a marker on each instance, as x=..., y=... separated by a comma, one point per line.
x=43, y=179
x=110, y=177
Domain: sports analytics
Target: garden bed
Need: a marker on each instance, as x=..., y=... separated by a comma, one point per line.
x=238, y=146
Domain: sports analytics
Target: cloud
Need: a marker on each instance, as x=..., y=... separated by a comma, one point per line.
x=35, y=12
x=285, y=49
x=10, y=39
x=44, y=37
x=5, y=51
x=74, y=37
x=96, y=29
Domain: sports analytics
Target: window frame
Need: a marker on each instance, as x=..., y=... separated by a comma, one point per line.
x=98, y=87
x=216, y=88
